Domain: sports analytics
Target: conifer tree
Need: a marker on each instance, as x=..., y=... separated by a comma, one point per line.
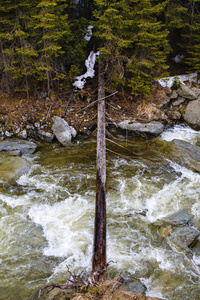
x=16, y=49
x=193, y=36
x=134, y=42
x=52, y=27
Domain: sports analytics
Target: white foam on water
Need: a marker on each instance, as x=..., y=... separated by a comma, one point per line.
x=66, y=225
x=181, y=193
x=15, y=200
x=182, y=132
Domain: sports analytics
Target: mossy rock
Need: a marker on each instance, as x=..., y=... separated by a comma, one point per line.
x=12, y=167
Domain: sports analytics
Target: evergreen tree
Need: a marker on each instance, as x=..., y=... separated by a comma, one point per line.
x=193, y=36
x=16, y=50
x=7, y=23
x=134, y=44
x=52, y=27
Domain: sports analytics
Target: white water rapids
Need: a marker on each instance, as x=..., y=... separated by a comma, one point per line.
x=47, y=220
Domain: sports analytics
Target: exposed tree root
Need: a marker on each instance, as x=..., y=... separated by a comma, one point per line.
x=95, y=289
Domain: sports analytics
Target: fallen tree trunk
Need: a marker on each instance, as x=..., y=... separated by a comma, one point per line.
x=99, y=248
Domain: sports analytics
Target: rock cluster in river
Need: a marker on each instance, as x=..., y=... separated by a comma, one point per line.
x=171, y=106
x=178, y=229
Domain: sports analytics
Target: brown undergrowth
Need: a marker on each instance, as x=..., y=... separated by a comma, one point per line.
x=78, y=108
x=97, y=288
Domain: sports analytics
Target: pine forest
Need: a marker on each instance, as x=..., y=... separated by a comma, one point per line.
x=43, y=44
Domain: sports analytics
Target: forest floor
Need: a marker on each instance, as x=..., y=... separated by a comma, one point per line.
x=79, y=109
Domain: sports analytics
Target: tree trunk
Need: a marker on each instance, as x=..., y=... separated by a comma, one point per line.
x=99, y=250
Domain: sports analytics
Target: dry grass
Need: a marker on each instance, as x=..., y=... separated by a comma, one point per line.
x=147, y=111
x=110, y=290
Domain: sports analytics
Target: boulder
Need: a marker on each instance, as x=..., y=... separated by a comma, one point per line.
x=179, y=218
x=63, y=131
x=185, y=92
x=12, y=167
x=151, y=127
x=192, y=114
x=186, y=154
x=184, y=236
x=25, y=147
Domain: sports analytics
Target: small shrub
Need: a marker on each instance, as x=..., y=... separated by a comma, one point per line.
x=176, y=83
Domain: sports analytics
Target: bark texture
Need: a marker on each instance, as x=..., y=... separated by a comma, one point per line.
x=99, y=250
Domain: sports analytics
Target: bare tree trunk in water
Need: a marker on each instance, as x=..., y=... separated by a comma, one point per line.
x=99, y=250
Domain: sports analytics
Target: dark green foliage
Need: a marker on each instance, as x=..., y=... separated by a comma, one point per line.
x=193, y=36
x=43, y=47
x=38, y=45
x=134, y=43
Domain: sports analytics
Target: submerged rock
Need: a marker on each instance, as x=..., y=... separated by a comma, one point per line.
x=63, y=131
x=184, y=236
x=134, y=285
x=151, y=127
x=12, y=167
x=177, y=227
x=25, y=147
x=179, y=218
x=196, y=247
x=186, y=154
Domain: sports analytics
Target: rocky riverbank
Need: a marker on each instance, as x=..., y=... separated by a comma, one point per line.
x=33, y=118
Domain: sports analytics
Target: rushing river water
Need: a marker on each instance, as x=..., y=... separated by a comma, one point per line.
x=47, y=219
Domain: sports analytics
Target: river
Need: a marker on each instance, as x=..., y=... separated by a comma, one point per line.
x=47, y=218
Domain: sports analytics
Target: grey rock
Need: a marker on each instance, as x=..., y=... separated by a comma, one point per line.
x=164, y=103
x=196, y=247
x=23, y=134
x=17, y=130
x=184, y=236
x=37, y=124
x=178, y=101
x=25, y=147
x=192, y=114
x=8, y=134
x=63, y=131
x=174, y=115
x=134, y=285
x=73, y=131
x=179, y=218
x=186, y=154
x=12, y=167
x=185, y=92
x=46, y=136
x=196, y=91
x=174, y=95
x=28, y=127
x=152, y=127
